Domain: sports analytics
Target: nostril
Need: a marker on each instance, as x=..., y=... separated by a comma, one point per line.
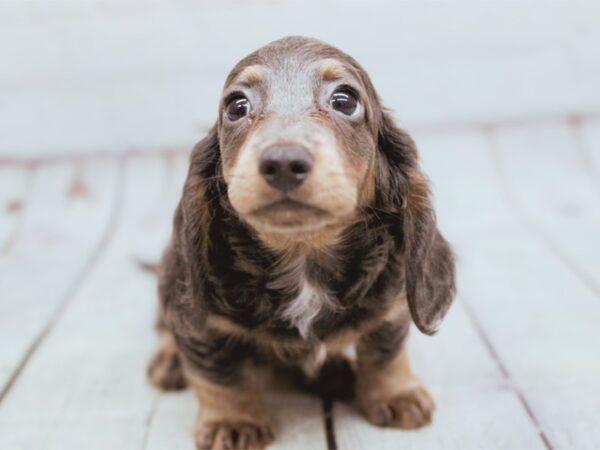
x=299, y=167
x=269, y=168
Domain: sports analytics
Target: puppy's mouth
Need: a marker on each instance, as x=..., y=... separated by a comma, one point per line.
x=290, y=215
x=287, y=206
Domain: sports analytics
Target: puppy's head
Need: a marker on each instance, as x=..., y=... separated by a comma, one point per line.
x=297, y=137
x=304, y=147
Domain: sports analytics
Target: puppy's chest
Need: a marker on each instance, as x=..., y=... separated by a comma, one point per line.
x=316, y=301
x=297, y=299
x=304, y=296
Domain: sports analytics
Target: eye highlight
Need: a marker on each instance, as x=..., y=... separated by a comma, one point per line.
x=344, y=100
x=237, y=107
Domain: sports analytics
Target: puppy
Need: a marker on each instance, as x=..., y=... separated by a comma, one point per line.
x=305, y=226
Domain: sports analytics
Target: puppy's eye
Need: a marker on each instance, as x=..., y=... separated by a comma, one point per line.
x=344, y=101
x=237, y=108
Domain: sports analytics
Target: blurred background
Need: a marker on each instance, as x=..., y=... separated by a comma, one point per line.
x=100, y=103
x=116, y=75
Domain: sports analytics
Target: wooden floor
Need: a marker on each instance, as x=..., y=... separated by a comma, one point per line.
x=515, y=365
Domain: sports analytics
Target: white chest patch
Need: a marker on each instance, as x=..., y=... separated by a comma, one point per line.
x=303, y=309
x=310, y=300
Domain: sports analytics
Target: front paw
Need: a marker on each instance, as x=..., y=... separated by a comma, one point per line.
x=224, y=435
x=407, y=410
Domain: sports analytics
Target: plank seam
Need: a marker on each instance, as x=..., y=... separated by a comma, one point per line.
x=150, y=421
x=77, y=283
x=505, y=373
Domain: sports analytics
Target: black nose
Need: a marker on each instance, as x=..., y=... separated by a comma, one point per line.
x=285, y=167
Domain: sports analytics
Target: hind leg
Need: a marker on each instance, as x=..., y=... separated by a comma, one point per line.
x=165, y=369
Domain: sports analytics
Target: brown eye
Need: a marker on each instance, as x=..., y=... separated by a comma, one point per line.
x=344, y=101
x=237, y=108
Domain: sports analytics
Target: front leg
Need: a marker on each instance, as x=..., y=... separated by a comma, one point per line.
x=387, y=390
x=230, y=414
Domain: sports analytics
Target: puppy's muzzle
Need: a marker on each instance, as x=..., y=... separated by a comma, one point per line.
x=285, y=167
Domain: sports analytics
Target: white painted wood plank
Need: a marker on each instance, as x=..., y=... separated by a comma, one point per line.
x=582, y=241
x=85, y=386
x=540, y=316
x=549, y=173
x=14, y=181
x=298, y=421
x=172, y=423
x=67, y=214
x=589, y=135
x=173, y=169
x=465, y=193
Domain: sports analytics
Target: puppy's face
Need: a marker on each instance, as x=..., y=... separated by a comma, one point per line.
x=297, y=139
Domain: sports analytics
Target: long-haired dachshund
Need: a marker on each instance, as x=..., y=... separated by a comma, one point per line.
x=305, y=227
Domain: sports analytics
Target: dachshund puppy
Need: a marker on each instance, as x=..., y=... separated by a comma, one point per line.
x=305, y=226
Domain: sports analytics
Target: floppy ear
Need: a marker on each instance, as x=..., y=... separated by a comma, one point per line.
x=428, y=259
x=201, y=193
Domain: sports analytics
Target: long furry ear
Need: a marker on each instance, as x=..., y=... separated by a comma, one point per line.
x=201, y=193
x=428, y=260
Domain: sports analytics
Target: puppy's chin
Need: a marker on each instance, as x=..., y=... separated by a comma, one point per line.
x=294, y=221
x=289, y=218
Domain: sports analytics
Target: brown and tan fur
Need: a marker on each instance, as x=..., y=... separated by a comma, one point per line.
x=261, y=276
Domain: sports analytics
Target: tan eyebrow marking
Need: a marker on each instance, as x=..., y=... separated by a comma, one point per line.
x=331, y=69
x=251, y=75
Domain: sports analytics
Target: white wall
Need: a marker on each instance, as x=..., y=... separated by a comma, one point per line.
x=115, y=75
